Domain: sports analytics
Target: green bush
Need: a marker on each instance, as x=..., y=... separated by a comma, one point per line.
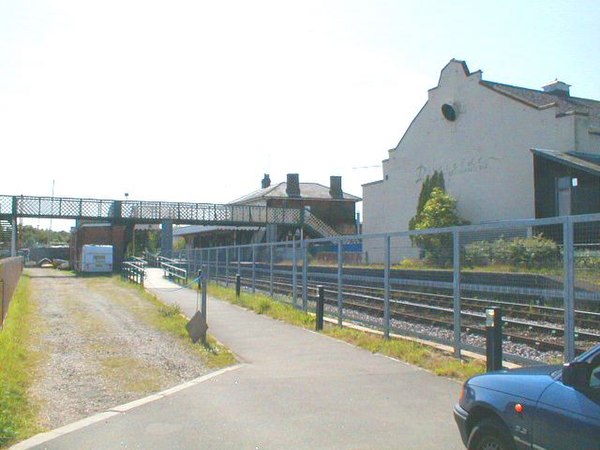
x=539, y=252
x=587, y=259
x=533, y=252
x=434, y=181
x=501, y=251
x=264, y=305
x=171, y=310
x=477, y=254
x=438, y=212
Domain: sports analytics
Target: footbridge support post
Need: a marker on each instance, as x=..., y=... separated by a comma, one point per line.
x=13, y=228
x=166, y=238
x=13, y=236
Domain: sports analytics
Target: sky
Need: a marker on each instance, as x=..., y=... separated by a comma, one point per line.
x=195, y=100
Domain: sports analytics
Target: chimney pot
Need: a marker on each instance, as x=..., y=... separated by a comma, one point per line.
x=335, y=187
x=266, y=181
x=293, y=185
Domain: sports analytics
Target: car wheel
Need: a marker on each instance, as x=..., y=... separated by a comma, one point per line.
x=489, y=434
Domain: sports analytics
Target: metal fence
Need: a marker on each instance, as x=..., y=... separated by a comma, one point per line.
x=134, y=270
x=436, y=284
x=10, y=272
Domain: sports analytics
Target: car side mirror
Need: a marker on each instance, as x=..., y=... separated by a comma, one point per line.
x=576, y=374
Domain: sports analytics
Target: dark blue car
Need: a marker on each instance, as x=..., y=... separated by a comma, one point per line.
x=546, y=407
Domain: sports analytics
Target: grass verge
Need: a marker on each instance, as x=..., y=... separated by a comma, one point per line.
x=17, y=366
x=169, y=318
x=262, y=304
x=421, y=355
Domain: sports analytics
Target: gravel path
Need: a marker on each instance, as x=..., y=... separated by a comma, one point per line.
x=97, y=351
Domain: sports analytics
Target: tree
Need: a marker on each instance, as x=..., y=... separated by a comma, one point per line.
x=35, y=237
x=145, y=240
x=438, y=212
x=429, y=184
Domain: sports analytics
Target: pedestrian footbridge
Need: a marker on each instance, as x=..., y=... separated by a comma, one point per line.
x=126, y=212
x=123, y=211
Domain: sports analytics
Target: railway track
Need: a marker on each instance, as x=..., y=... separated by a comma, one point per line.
x=553, y=317
x=539, y=327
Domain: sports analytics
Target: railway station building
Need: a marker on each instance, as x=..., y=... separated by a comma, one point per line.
x=506, y=152
x=328, y=211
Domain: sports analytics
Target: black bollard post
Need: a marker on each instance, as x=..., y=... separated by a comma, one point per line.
x=204, y=312
x=238, y=284
x=493, y=332
x=320, y=308
x=199, y=280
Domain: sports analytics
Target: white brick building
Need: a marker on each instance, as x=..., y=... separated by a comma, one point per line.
x=480, y=134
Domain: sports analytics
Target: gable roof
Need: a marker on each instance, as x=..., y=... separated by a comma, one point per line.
x=308, y=191
x=541, y=99
x=536, y=98
x=583, y=161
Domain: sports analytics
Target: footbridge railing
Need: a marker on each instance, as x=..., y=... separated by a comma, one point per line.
x=319, y=226
x=172, y=269
x=133, y=271
x=12, y=206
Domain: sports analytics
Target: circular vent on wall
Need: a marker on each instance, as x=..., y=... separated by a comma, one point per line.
x=449, y=112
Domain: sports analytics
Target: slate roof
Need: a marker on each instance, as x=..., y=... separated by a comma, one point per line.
x=583, y=161
x=308, y=191
x=540, y=99
x=199, y=229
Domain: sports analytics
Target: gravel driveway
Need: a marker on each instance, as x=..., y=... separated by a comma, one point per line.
x=96, y=350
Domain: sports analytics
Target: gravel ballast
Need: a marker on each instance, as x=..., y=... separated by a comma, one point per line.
x=96, y=350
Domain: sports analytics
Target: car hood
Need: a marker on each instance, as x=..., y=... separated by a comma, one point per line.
x=527, y=382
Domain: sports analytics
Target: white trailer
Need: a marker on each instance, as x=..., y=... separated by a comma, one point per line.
x=96, y=258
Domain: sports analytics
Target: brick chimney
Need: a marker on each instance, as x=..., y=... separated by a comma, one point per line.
x=293, y=185
x=335, y=187
x=557, y=88
x=266, y=181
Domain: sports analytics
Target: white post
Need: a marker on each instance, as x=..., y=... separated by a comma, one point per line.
x=569, y=288
x=456, y=292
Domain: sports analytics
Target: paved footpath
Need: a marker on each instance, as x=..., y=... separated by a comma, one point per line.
x=293, y=389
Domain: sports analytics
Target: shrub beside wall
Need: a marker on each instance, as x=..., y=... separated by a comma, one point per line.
x=587, y=259
x=533, y=252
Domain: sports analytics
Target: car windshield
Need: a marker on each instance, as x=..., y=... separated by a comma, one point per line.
x=583, y=357
x=586, y=355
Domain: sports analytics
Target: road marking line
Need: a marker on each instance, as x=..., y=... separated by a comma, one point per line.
x=39, y=439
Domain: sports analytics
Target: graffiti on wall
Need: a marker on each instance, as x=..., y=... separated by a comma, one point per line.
x=450, y=169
